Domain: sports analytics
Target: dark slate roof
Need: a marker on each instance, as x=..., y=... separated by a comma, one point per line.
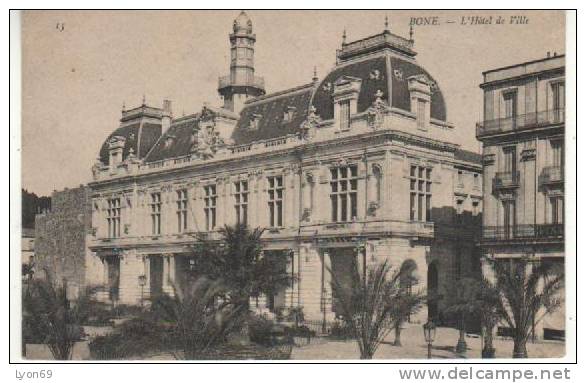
x=365, y=70
x=270, y=110
x=149, y=134
x=468, y=156
x=374, y=75
x=176, y=141
x=400, y=88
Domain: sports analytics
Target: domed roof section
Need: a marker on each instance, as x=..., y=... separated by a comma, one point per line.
x=139, y=138
x=242, y=23
x=385, y=72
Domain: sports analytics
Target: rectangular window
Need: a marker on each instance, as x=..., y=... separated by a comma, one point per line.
x=276, y=201
x=510, y=159
x=113, y=218
x=210, y=199
x=557, y=210
x=343, y=195
x=460, y=177
x=420, y=197
x=241, y=201
x=557, y=153
x=421, y=113
x=156, y=206
x=509, y=219
x=345, y=115
x=510, y=99
x=181, y=210
x=558, y=100
x=476, y=180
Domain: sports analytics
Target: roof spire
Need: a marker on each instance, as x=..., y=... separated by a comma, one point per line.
x=411, y=32
x=386, y=23
x=143, y=99
x=315, y=78
x=344, y=37
x=124, y=106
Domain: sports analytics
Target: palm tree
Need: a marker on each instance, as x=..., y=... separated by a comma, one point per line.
x=239, y=261
x=370, y=308
x=525, y=289
x=476, y=297
x=50, y=318
x=464, y=305
x=201, y=320
x=488, y=309
x=406, y=301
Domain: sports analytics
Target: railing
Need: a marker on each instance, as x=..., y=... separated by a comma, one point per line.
x=255, y=81
x=520, y=122
x=375, y=41
x=551, y=174
x=541, y=231
x=503, y=180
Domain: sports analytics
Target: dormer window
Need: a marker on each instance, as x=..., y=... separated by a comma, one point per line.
x=346, y=91
x=420, y=94
x=289, y=113
x=115, y=150
x=254, y=122
x=169, y=140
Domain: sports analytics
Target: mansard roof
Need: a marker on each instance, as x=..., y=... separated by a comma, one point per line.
x=176, y=141
x=383, y=72
x=264, y=117
x=140, y=137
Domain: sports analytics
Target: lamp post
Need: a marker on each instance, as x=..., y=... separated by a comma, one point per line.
x=429, y=334
x=142, y=283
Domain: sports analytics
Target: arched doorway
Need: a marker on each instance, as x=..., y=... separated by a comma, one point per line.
x=432, y=291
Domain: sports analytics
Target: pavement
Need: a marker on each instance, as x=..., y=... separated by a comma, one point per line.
x=414, y=347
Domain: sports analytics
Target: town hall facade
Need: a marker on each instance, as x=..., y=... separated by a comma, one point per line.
x=343, y=172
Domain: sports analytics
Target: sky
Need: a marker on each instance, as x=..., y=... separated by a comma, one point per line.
x=79, y=67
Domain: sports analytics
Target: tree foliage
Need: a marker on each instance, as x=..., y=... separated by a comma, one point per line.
x=50, y=318
x=374, y=306
x=240, y=262
x=527, y=290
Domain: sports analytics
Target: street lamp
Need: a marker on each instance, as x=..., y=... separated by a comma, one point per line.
x=142, y=283
x=429, y=334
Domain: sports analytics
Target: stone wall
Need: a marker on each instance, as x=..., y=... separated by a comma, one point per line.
x=60, y=238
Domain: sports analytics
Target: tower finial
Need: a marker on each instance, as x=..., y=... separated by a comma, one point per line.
x=124, y=106
x=143, y=99
x=411, y=32
x=386, y=23
x=315, y=78
x=344, y=37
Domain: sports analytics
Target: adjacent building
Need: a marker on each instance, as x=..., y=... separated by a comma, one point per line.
x=523, y=161
x=61, y=238
x=343, y=172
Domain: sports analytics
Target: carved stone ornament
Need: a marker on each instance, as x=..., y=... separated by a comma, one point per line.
x=205, y=140
x=528, y=154
x=308, y=127
x=376, y=113
x=306, y=215
x=372, y=208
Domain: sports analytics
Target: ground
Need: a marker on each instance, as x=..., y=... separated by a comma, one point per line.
x=414, y=347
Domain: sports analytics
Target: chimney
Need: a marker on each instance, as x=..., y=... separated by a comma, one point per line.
x=548, y=54
x=167, y=115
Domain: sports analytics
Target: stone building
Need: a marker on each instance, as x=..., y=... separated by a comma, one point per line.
x=61, y=237
x=343, y=172
x=523, y=160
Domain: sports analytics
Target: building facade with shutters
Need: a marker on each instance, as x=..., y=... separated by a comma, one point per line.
x=343, y=172
x=523, y=160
